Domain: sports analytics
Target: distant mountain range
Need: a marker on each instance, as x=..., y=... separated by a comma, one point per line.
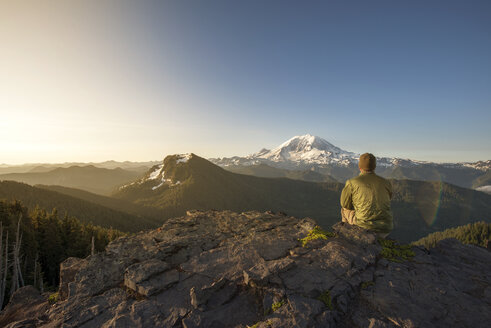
x=90, y=178
x=307, y=158
x=183, y=182
x=315, y=154
x=139, y=167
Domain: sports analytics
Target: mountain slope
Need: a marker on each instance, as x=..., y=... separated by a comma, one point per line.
x=89, y=178
x=180, y=184
x=423, y=207
x=85, y=211
x=266, y=171
x=458, y=175
x=177, y=186
x=483, y=180
x=109, y=202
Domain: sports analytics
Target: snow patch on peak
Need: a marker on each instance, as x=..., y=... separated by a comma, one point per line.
x=305, y=140
x=159, y=185
x=183, y=158
x=155, y=173
x=155, y=177
x=130, y=184
x=486, y=189
x=480, y=165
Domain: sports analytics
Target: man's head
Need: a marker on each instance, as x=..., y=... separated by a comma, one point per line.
x=367, y=162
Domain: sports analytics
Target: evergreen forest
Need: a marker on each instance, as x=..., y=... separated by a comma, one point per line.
x=35, y=242
x=477, y=233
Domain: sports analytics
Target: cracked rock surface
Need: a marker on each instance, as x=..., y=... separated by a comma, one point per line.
x=225, y=269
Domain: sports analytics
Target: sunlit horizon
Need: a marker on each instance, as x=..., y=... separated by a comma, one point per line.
x=91, y=81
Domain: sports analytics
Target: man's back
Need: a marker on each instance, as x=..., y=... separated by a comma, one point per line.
x=369, y=196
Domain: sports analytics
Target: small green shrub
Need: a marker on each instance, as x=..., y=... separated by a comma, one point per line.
x=316, y=233
x=53, y=298
x=325, y=298
x=277, y=305
x=366, y=284
x=269, y=323
x=394, y=252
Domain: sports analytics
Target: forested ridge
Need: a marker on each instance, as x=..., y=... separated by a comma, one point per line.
x=87, y=211
x=45, y=240
x=477, y=233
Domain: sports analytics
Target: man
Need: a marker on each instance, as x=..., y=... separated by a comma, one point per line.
x=365, y=200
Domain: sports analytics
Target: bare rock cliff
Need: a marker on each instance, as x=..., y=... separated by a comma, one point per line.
x=224, y=269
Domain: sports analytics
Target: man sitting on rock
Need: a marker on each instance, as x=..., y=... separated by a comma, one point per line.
x=365, y=200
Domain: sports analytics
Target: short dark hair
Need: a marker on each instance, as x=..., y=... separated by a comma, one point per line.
x=367, y=162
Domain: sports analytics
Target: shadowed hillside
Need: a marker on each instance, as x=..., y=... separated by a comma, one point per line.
x=109, y=202
x=422, y=207
x=85, y=211
x=266, y=171
x=199, y=184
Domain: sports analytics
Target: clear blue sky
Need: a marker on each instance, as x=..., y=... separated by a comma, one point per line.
x=138, y=80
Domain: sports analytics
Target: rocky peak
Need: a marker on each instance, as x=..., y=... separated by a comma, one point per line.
x=480, y=165
x=226, y=269
x=173, y=170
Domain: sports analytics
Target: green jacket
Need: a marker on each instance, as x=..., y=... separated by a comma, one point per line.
x=369, y=196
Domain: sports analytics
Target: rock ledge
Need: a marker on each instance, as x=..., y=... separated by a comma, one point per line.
x=225, y=269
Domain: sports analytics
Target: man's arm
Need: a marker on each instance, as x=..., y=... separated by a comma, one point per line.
x=346, y=197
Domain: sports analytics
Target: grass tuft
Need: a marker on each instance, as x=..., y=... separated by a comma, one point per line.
x=316, y=233
x=277, y=305
x=394, y=252
x=325, y=298
x=53, y=298
x=366, y=284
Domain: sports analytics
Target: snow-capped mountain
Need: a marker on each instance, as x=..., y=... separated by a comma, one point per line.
x=305, y=150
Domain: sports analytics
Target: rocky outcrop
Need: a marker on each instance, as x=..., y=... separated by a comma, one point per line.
x=224, y=269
